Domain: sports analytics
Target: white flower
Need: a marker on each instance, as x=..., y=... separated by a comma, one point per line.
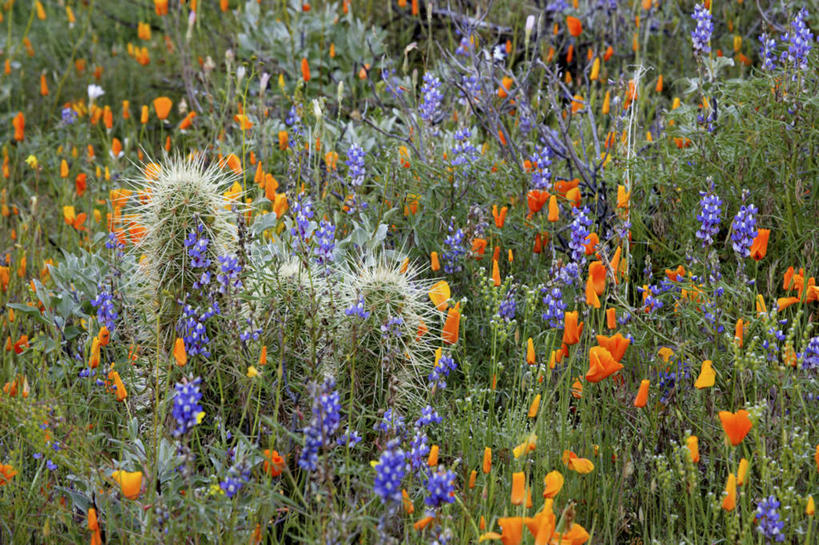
x=94, y=92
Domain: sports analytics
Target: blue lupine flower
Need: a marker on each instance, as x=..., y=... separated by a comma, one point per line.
x=391, y=422
x=441, y=488
x=555, y=307
x=106, y=313
x=324, y=421
x=389, y=472
x=197, y=244
x=193, y=330
x=325, y=242
x=186, y=408
x=392, y=329
x=250, y=333
x=669, y=380
x=579, y=233
x=541, y=175
x=428, y=416
x=768, y=522
x=455, y=250
x=303, y=212
x=744, y=230
x=508, y=307
x=229, y=277
x=357, y=309
x=349, y=439
x=69, y=116
x=767, y=52
x=446, y=364
x=234, y=481
x=355, y=164
x=800, y=42
x=293, y=117
x=113, y=242
x=51, y=465
x=709, y=216
x=463, y=152
x=431, y=98
x=701, y=35
x=393, y=83
x=810, y=356
x=464, y=46
x=471, y=86
x=419, y=451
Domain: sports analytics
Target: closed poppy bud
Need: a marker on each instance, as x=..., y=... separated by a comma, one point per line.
x=642, y=394
x=449, y=334
x=162, y=107
x=263, y=356
x=518, y=488
x=611, y=318
x=93, y=523
x=552, y=484
x=530, y=351
x=409, y=508
x=595, y=70
x=143, y=118
x=473, y=476
x=283, y=140
x=759, y=246
x=533, y=408
x=810, y=508
x=432, y=460
x=305, y=70
x=19, y=123
x=729, y=501
x=742, y=472
x=606, y=103
x=433, y=261
x=693, y=445
x=571, y=329
x=554, y=210
x=487, y=460
x=739, y=332
x=94, y=360
x=659, y=87
x=496, y=279
x=736, y=425
x=179, y=353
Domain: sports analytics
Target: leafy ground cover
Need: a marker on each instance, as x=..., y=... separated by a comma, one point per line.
x=409, y=272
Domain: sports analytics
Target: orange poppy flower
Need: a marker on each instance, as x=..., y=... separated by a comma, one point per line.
x=162, y=107
x=571, y=329
x=736, y=425
x=535, y=199
x=283, y=140
x=597, y=276
x=500, y=217
x=611, y=318
x=263, y=355
x=575, y=26
x=706, y=376
x=784, y=302
x=575, y=463
x=130, y=482
x=305, y=70
x=616, y=344
x=486, y=467
x=552, y=484
x=119, y=388
x=739, y=332
x=179, y=353
x=273, y=463
x=642, y=395
x=729, y=501
x=511, y=528
x=94, y=360
x=432, y=459
x=409, y=508
x=104, y=336
x=759, y=247
x=496, y=279
x=533, y=408
x=479, y=246
x=554, y=209
x=591, y=245
x=280, y=204
x=449, y=334
x=601, y=364
x=742, y=471
x=434, y=264
x=19, y=123
x=518, y=488
x=675, y=275
x=530, y=351
x=7, y=472
x=439, y=294
x=693, y=444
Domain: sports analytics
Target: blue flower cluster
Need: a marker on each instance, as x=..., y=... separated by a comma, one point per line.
x=192, y=327
x=555, y=307
x=392, y=328
x=349, y=439
x=428, y=416
x=186, y=407
x=455, y=249
x=463, y=152
x=810, y=356
x=355, y=165
x=234, y=481
x=358, y=309
x=323, y=424
x=419, y=451
x=197, y=244
x=508, y=307
x=541, y=175
x=446, y=364
x=580, y=230
x=106, y=313
x=701, y=35
x=431, y=98
x=668, y=380
x=229, y=277
x=800, y=42
x=325, y=242
x=393, y=83
x=391, y=423
x=709, y=217
x=767, y=52
x=389, y=472
x=303, y=212
x=768, y=522
x=441, y=488
x=69, y=116
x=744, y=230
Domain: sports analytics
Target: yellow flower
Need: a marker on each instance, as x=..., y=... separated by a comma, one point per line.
x=31, y=161
x=252, y=372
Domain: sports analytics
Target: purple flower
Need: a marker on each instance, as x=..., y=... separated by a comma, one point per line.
x=701, y=35
x=579, y=232
x=709, y=216
x=303, y=212
x=391, y=422
x=357, y=309
x=767, y=51
x=325, y=242
x=355, y=165
x=455, y=250
x=106, y=313
x=419, y=450
x=229, y=277
x=389, y=472
x=768, y=522
x=197, y=244
x=186, y=408
x=555, y=307
x=428, y=416
x=349, y=439
x=800, y=42
x=324, y=422
x=431, y=98
x=441, y=488
x=508, y=307
x=744, y=230
x=810, y=356
x=441, y=370
x=392, y=329
x=541, y=175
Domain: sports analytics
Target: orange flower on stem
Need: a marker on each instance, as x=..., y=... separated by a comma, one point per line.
x=571, y=329
x=162, y=107
x=759, y=247
x=449, y=334
x=273, y=463
x=601, y=364
x=130, y=482
x=693, y=444
x=736, y=425
x=642, y=395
